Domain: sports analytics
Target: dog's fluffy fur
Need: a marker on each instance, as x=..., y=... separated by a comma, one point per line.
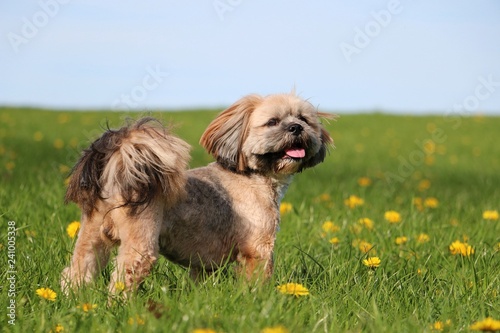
x=135, y=191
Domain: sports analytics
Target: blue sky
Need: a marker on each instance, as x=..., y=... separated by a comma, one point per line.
x=345, y=56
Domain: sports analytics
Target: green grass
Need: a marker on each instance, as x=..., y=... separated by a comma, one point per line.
x=416, y=285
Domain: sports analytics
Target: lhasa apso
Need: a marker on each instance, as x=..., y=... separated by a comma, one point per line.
x=135, y=191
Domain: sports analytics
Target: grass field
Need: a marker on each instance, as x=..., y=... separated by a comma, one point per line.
x=440, y=176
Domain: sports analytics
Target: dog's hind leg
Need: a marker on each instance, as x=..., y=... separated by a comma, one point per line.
x=91, y=254
x=139, y=247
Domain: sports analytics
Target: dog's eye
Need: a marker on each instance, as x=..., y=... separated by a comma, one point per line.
x=272, y=122
x=302, y=118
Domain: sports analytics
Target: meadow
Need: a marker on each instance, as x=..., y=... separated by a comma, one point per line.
x=397, y=231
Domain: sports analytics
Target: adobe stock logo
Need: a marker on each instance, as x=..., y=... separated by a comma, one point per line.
x=223, y=6
x=372, y=29
x=30, y=27
x=152, y=80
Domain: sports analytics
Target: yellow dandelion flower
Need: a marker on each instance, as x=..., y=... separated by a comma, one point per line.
x=336, y=241
x=119, y=286
x=86, y=307
x=38, y=136
x=392, y=216
x=437, y=326
x=295, y=289
x=431, y=202
x=365, y=247
x=47, y=293
x=137, y=320
x=62, y=118
x=58, y=144
x=497, y=247
x=275, y=329
x=64, y=169
x=486, y=325
x=356, y=229
x=364, y=181
x=464, y=249
x=401, y=240
x=423, y=238
x=329, y=226
x=424, y=184
x=490, y=215
x=353, y=201
x=366, y=222
x=10, y=166
x=372, y=262
x=325, y=197
x=429, y=160
x=57, y=329
x=285, y=207
x=418, y=203
x=73, y=229
x=203, y=330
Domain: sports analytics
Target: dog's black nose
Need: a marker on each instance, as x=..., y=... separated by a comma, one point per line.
x=295, y=129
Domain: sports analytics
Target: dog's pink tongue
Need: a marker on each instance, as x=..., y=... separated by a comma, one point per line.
x=296, y=153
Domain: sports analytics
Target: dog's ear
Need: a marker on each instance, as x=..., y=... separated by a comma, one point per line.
x=225, y=135
x=326, y=141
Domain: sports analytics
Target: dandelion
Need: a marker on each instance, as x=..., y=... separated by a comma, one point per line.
x=366, y=222
x=329, y=226
x=64, y=169
x=486, y=325
x=58, y=144
x=490, y=215
x=437, y=326
x=364, y=181
x=392, y=216
x=401, y=240
x=57, y=329
x=275, y=329
x=334, y=241
x=73, y=228
x=424, y=184
x=423, y=238
x=418, y=203
x=365, y=247
x=38, y=136
x=372, y=262
x=325, y=197
x=203, y=330
x=295, y=289
x=464, y=249
x=285, y=207
x=497, y=247
x=86, y=307
x=119, y=286
x=137, y=320
x=440, y=326
x=353, y=201
x=10, y=166
x=431, y=202
x=47, y=293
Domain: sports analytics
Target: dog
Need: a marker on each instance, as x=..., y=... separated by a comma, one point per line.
x=135, y=192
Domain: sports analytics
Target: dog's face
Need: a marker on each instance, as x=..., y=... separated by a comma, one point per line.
x=278, y=134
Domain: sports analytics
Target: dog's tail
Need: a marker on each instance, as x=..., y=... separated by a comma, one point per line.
x=133, y=166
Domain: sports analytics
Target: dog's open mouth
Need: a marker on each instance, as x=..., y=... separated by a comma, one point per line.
x=295, y=153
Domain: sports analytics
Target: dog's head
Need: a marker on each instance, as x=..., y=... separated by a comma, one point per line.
x=278, y=134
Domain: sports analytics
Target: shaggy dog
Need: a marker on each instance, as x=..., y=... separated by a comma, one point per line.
x=135, y=191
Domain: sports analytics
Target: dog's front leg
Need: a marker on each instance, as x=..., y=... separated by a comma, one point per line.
x=256, y=262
